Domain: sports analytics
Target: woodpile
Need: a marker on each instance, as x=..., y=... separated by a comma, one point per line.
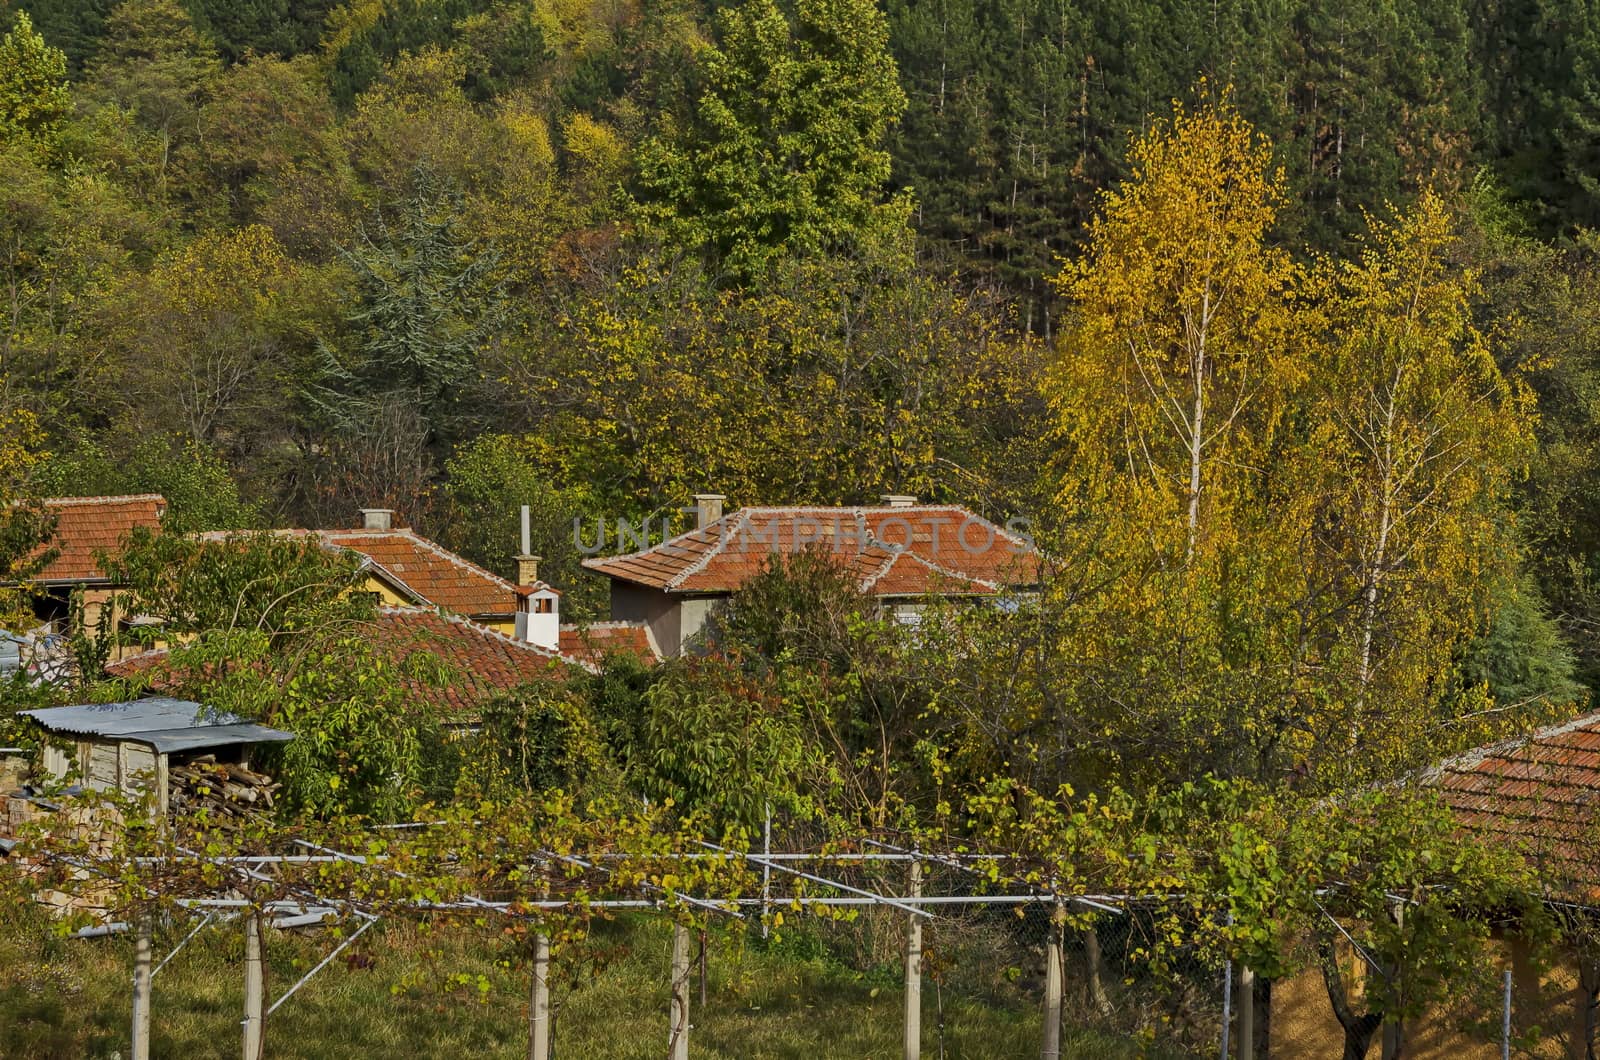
x=223, y=788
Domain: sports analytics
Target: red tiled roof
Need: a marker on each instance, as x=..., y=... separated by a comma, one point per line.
x=481, y=663
x=1540, y=792
x=895, y=551
x=86, y=525
x=598, y=639
x=426, y=572
x=435, y=574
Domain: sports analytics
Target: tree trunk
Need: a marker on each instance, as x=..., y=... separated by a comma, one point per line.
x=1094, y=968
x=1358, y=1027
x=1197, y=425
x=1589, y=1002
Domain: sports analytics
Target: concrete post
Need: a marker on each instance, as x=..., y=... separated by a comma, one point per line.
x=539, y=1000
x=1052, y=986
x=141, y=991
x=678, y=1043
x=254, y=987
x=913, y=1021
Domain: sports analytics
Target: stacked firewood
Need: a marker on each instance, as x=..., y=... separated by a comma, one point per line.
x=226, y=789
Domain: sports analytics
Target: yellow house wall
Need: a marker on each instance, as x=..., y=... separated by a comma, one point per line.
x=387, y=597
x=1303, y=1026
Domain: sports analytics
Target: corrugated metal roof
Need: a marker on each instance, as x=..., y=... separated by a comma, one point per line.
x=164, y=723
x=166, y=741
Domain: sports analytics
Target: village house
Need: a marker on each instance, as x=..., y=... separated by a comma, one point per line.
x=85, y=528
x=406, y=573
x=900, y=552
x=405, y=569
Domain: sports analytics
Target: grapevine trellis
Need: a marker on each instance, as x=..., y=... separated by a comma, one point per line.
x=797, y=880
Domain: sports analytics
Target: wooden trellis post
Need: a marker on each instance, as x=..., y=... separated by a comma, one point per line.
x=913, y=1021
x=254, y=986
x=679, y=1041
x=141, y=991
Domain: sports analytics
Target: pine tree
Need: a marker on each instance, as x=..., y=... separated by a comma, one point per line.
x=424, y=305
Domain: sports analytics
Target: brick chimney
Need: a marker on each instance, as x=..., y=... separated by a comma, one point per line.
x=707, y=509
x=527, y=569
x=898, y=500
x=377, y=518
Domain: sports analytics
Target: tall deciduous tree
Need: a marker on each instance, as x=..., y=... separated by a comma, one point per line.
x=1170, y=383
x=784, y=152
x=33, y=84
x=154, y=62
x=1420, y=436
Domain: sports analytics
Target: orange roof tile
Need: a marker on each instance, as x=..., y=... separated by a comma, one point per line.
x=425, y=571
x=481, y=663
x=594, y=641
x=433, y=572
x=87, y=525
x=895, y=551
x=1539, y=792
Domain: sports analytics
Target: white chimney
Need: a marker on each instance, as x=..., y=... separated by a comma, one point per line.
x=377, y=518
x=898, y=500
x=539, y=618
x=539, y=612
x=707, y=509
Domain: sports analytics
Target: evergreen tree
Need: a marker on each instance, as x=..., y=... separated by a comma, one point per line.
x=74, y=26
x=390, y=391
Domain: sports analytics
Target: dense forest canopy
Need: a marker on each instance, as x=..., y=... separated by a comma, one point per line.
x=281, y=259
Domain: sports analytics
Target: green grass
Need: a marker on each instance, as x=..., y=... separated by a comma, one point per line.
x=422, y=996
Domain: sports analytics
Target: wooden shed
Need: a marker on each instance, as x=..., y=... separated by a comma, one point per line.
x=129, y=746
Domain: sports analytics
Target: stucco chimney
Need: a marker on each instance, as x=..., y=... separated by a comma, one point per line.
x=377, y=518
x=898, y=500
x=707, y=509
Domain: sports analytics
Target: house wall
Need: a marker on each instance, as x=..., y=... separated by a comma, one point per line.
x=1302, y=1025
x=674, y=619
x=695, y=612
x=656, y=609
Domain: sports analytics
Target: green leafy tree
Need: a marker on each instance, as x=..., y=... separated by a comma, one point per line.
x=784, y=152
x=154, y=62
x=486, y=484
x=722, y=744
x=33, y=84
x=278, y=585
x=200, y=490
